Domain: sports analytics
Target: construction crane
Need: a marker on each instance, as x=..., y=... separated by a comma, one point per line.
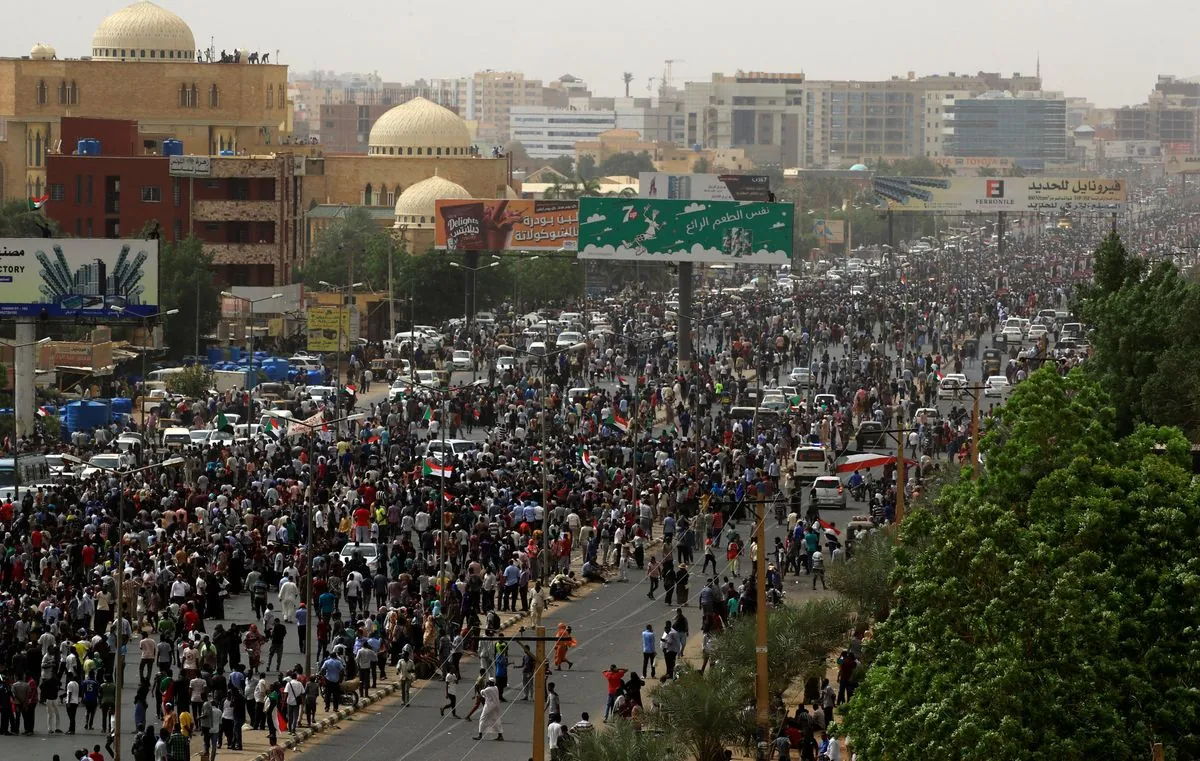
x=650, y=83
x=666, y=80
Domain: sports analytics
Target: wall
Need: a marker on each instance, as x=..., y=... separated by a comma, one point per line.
x=118, y=137
x=146, y=92
x=85, y=216
x=346, y=176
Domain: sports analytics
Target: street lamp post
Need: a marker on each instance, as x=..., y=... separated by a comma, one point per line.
x=308, y=572
x=252, y=302
x=472, y=270
x=145, y=330
x=342, y=306
x=119, y=563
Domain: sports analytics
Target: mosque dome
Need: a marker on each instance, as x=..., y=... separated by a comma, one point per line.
x=42, y=52
x=420, y=128
x=858, y=168
x=143, y=31
x=416, y=205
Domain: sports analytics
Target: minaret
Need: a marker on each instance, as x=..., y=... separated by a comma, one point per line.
x=1039, y=67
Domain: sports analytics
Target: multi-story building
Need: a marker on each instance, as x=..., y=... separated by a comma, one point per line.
x=143, y=66
x=547, y=133
x=939, y=119
x=489, y=97
x=762, y=113
x=244, y=209
x=1029, y=130
x=346, y=127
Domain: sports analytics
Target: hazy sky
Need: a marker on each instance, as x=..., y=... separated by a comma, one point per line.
x=1105, y=50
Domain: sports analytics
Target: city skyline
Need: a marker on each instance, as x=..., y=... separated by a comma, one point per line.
x=859, y=40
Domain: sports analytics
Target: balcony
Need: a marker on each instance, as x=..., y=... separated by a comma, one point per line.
x=242, y=253
x=236, y=211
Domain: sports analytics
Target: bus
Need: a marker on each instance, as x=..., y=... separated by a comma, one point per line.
x=23, y=471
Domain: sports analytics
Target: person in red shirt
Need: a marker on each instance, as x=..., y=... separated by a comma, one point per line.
x=362, y=524
x=89, y=555
x=616, y=680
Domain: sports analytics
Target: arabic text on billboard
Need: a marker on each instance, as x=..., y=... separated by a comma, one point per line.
x=189, y=166
x=705, y=187
x=1182, y=164
x=1013, y=194
x=699, y=231
x=499, y=225
x=324, y=329
x=70, y=277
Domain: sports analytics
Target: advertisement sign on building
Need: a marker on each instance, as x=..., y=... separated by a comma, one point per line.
x=499, y=225
x=705, y=187
x=830, y=230
x=189, y=166
x=973, y=162
x=1182, y=164
x=1012, y=194
x=324, y=328
x=69, y=277
x=1121, y=150
x=699, y=231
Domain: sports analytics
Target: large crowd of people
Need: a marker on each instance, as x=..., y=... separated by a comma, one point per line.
x=582, y=462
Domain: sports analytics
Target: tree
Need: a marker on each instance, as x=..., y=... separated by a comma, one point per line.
x=800, y=640
x=1143, y=327
x=186, y=284
x=866, y=578
x=621, y=741
x=354, y=240
x=192, y=382
x=699, y=712
x=701, y=165
x=1049, y=605
x=627, y=164
x=18, y=221
x=586, y=167
x=564, y=165
x=516, y=150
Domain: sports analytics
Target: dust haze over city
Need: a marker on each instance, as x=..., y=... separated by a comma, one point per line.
x=431, y=347
x=1105, y=51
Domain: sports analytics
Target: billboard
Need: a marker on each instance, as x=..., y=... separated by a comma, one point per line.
x=705, y=187
x=323, y=328
x=189, y=166
x=830, y=230
x=72, y=277
x=1182, y=164
x=986, y=194
x=960, y=163
x=698, y=231
x=1119, y=150
x=500, y=225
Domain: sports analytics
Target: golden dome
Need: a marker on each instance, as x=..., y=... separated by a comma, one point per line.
x=420, y=128
x=143, y=31
x=416, y=206
x=42, y=52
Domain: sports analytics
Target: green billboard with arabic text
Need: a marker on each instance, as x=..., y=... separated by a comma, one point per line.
x=727, y=232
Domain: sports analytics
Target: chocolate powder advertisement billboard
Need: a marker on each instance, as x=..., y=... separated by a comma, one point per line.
x=500, y=225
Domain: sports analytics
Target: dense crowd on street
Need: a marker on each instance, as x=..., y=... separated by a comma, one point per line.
x=581, y=465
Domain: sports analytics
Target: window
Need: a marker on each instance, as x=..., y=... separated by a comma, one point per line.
x=89, y=227
x=78, y=188
x=178, y=229
x=367, y=197
x=187, y=95
x=282, y=96
x=212, y=227
x=214, y=97
x=40, y=92
x=270, y=95
x=89, y=190
x=73, y=94
x=177, y=191
x=62, y=93
x=57, y=192
x=78, y=227
x=151, y=194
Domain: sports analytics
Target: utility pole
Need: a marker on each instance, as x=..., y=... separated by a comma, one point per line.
x=901, y=472
x=762, y=695
x=539, y=695
x=975, y=435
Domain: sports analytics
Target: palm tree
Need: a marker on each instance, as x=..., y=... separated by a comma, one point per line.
x=866, y=578
x=622, y=741
x=799, y=642
x=699, y=712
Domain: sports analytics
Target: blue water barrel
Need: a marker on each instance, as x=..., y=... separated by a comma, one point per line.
x=87, y=416
x=275, y=369
x=172, y=147
x=215, y=354
x=94, y=145
x=120, y=404
x=235, y=353
x=315, y=377
x=81, y=146
x=227, y=153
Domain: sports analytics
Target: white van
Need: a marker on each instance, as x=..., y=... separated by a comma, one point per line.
x=284, y=418
x=176, y=438
x=810, y=463
x=162, y=375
